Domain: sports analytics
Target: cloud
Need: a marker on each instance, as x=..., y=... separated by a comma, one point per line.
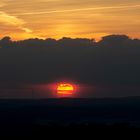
x=10, y=20
x=7, y=19
x=2, y=4
x=81, y=9
x=27, y=30
x=71, y=59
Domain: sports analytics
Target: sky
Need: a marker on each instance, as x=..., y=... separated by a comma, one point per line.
x=74, y=18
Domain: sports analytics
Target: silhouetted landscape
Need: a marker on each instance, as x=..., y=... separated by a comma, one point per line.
x=106, y=71
x=110, y=41
x=63, y=115
x=108, y=68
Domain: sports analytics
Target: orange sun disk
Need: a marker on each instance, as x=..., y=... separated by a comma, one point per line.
x=65, y=89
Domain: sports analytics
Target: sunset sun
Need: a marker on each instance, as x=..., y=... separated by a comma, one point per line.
x=65, y=89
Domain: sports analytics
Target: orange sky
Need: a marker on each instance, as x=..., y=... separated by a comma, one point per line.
x=58, y=18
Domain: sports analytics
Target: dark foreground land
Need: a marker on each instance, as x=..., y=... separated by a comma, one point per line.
x=42, y=116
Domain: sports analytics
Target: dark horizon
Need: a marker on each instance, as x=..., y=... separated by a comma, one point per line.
x=112, y=40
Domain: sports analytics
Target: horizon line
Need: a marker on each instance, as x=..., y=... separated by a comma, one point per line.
x=42, y=38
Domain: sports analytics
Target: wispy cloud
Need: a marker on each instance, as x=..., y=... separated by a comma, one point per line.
x=11, y=20
x=27, y=30
x=2, y=4
x=80, y=9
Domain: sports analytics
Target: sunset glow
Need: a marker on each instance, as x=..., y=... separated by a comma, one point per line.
x=59, y=18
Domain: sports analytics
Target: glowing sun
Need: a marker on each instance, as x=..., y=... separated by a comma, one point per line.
x=65, y=89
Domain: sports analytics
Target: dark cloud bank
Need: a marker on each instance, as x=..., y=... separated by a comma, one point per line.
x=112, y=65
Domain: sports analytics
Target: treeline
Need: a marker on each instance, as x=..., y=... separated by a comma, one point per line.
x=110, y=41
